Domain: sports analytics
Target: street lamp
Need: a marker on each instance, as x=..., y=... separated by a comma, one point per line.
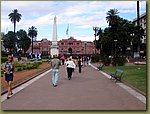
x=95, y=34
x=39, y=46
x=132, y=51
x=82, y=52
x=138, y=26
x=115, y=46
x=85, y=49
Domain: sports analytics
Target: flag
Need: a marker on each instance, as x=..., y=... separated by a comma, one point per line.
x=67, y=30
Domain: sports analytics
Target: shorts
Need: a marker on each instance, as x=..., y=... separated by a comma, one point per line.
x=9, y=77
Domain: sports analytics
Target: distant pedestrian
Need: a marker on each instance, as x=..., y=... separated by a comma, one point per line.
x=70, y=66
x=79, y=64
x=73, y=69
x=9, y=74
x=55, y=64
x=63, y=59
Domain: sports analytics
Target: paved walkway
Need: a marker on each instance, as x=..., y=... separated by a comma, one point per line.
x=90, y=90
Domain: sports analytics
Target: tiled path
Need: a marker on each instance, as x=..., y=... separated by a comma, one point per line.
x=90, y=90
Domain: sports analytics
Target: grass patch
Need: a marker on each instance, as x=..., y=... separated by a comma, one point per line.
x=133, y=75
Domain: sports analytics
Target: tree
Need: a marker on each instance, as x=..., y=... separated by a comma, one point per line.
x=123, y=31
x=32, y=32
x=2, y=40
x=136, y=39
x=9, y=41
x=99, y=42
x=112, y=19
x=23, y=40
x=15, y=17
x=106, y=41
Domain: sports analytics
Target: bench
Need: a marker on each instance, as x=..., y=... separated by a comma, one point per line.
x=100, y=67
x=117, y=75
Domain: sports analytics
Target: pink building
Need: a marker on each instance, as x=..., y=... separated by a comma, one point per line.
x=74, y=46
x=66, y=46
x=42, y=47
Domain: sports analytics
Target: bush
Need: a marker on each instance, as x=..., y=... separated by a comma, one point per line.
x=19, y=69
x=120, y=60
x=105, y=60
x=28, y=66
x=2, y=72
x=3, y=59
x=44, y=57
x=95, y=58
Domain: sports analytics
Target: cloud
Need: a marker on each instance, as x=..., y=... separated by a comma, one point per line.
x=85, y=38
x=82, y=15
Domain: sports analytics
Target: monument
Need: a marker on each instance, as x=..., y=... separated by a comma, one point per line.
x=54, y=47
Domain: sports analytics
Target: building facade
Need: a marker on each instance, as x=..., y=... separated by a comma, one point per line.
x=66, y=46
x=142, y=23
x=42, y=47
x=73, y=46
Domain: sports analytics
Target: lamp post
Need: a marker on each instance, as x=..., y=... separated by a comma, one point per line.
x=115, y=46
x=39, y=46
x=85, y=48
x=95, y=34
x=132, y=48
x=138, y=25
x=82, y=52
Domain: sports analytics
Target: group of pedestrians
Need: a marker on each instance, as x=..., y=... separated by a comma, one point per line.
x=70, y=66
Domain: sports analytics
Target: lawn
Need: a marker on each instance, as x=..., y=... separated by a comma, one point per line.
x=133, y=75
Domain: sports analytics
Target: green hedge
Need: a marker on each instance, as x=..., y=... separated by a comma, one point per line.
x=95, y=58
x=21, y=67
x=3, y=59
x=105, y=60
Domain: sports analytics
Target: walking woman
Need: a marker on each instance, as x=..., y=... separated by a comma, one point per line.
x=9, y=74
x=70, y=66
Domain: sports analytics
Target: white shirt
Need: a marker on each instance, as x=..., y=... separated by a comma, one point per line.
x=70, y=64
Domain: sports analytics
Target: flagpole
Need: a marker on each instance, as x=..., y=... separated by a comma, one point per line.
x=70, y=31
x=67, y=38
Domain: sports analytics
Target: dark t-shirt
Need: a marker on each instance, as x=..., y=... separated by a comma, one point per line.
x=9, y=67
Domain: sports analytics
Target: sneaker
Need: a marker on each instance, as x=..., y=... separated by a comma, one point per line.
x=54, y=85
x=8, y=97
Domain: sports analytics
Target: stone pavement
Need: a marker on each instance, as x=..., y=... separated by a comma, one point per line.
x=90, y=90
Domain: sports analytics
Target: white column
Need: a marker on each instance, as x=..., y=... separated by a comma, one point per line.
x=54, y=46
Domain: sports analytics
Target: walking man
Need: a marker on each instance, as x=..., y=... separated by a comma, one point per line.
x=55, y=64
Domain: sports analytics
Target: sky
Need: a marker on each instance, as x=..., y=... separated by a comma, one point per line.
x=80, y=15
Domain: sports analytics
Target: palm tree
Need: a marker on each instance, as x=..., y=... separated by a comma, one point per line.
x=15, y=17
x=112, y=19
x=32, y=32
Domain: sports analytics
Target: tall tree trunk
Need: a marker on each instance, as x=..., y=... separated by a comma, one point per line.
x=14, y=27
x=32, y=44
x=15, y=35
